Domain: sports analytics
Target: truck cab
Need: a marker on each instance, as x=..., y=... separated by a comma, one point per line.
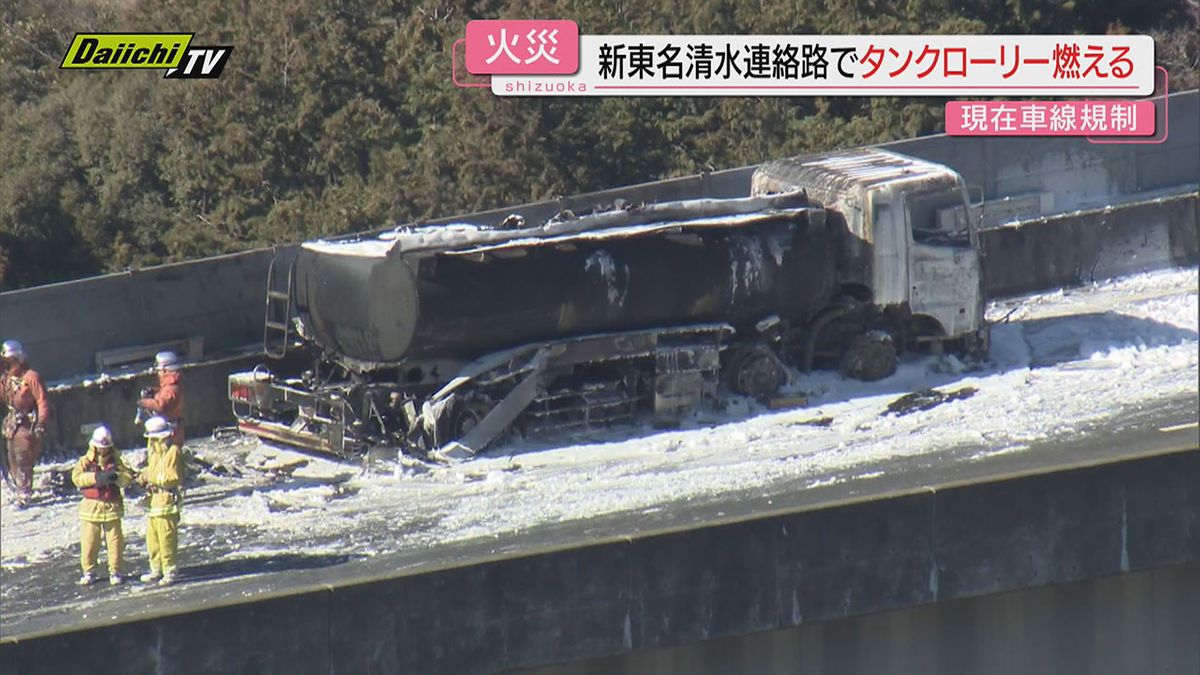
x=911, y=245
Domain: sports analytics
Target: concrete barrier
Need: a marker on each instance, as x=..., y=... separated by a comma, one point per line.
x=1086, y=246
x=1078, y=173
x=64, y=325
x=1141, y=622
x=466, y=610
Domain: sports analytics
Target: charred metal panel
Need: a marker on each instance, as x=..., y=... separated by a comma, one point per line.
x=889, y=265
x=604, y=347
x=945, y=286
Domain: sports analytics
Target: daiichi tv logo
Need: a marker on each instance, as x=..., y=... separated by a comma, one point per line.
x=172, y=52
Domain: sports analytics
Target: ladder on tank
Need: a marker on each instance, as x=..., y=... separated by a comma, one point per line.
x=277, y=326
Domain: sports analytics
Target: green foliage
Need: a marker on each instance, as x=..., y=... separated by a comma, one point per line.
x=334, y=117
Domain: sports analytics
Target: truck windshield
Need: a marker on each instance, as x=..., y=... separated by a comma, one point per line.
x=940, y=218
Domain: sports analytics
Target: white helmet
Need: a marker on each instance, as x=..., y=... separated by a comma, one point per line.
x=166, y=361
x=158, y=427
x=13, y=350
x=102, y=437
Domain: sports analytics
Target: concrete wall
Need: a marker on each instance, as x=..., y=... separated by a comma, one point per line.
x=1144, y=622
x=1079, y=174
x=222, y=299
x=470, y=614
x=1082, y=247
x=63, y=325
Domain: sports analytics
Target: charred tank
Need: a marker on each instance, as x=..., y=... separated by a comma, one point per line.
x=462, y=291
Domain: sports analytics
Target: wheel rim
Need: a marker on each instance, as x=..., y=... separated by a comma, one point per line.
x=471, y=415
x=758, y=375
x=870, y=360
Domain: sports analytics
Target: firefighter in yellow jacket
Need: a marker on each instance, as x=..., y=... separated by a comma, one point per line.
x=161, y=478
x=100, y=475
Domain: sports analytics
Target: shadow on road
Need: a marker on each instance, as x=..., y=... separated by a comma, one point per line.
x=276, y=562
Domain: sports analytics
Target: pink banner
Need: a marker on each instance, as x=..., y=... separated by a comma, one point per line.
x=1050, y=118
x=522, y=47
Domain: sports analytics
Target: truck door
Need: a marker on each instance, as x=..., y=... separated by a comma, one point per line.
x=890, y=275
x=944, y=277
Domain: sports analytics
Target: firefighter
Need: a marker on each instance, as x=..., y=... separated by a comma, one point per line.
x=24, y=394
x=101, y=475
x=161, y=478
x=166, y=399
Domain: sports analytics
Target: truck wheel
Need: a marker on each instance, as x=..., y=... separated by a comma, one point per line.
x=471, y=412
x=468, y=413
x=870, y=357
x=756, y=372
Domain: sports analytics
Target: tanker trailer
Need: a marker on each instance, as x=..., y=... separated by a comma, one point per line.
x=438, y=340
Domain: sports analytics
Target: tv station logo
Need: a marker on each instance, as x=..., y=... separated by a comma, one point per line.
x=172, y=52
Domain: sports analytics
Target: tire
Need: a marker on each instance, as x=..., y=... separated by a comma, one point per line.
x=755, y=372
x=471, y=412
x=467, y=414
x=870, y=357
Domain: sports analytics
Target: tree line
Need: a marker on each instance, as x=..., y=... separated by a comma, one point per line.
x=335, y=117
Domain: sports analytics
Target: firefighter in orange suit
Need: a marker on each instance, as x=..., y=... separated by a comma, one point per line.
x=101, y=475
x=167, y=398
x=161, y=478
x=24, y=394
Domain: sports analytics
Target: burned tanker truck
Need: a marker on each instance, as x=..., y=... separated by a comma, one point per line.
x=439, y=340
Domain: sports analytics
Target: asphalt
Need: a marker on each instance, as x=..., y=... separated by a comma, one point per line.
x=43, y=599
